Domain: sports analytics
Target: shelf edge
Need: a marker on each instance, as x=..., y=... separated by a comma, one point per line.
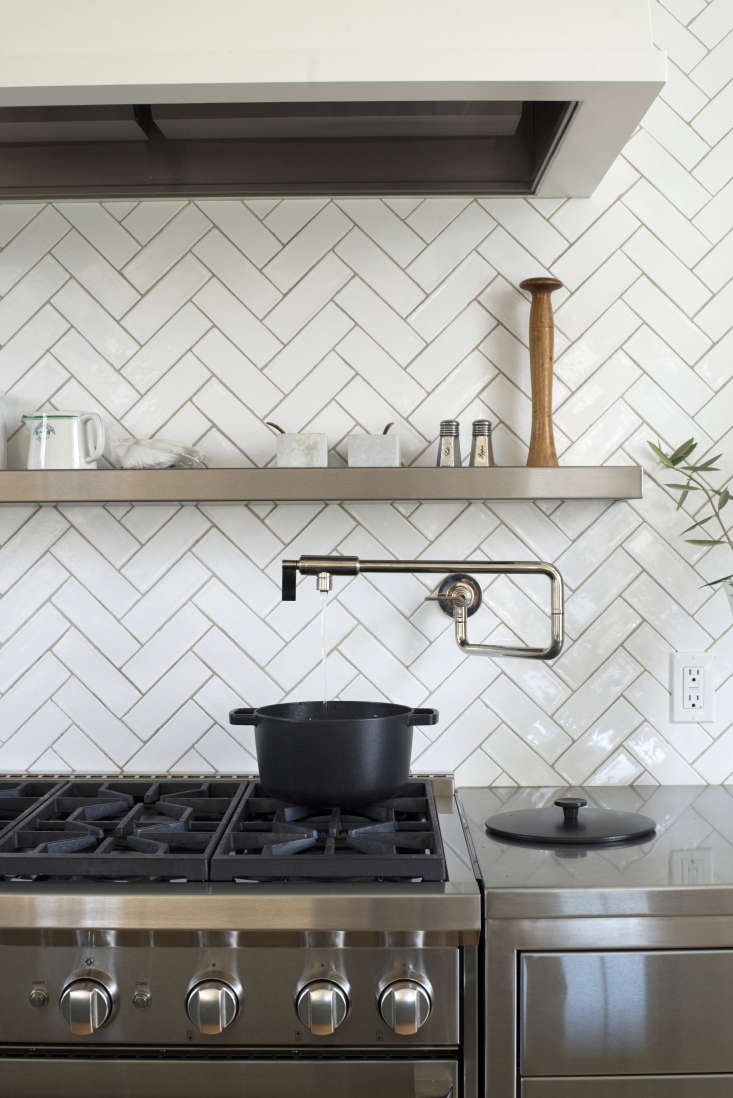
x=320, y=485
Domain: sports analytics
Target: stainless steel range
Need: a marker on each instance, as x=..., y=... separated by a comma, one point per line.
x=171, y=934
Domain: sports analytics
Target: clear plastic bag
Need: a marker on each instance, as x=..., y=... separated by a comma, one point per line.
x=155, y=453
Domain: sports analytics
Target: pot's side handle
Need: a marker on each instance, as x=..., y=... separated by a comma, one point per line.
x=243, y=716
x=423, y=716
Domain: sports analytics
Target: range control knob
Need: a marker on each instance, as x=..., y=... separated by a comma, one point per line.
x=212, y=1006
x=405, y=1006
x=86, y=1005
x=322, y=1007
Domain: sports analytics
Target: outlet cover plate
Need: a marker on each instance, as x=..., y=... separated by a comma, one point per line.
x=703, y=708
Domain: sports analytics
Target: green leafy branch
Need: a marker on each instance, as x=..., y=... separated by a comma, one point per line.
x=693, y=480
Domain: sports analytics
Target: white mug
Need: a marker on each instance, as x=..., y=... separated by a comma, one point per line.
x=60, y=440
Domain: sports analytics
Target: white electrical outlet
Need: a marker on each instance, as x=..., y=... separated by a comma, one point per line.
x=692, y=867
x=693, y=695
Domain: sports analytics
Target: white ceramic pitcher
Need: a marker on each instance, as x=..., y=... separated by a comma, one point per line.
x=61, y=440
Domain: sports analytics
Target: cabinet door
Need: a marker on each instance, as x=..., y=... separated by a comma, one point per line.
x=632, y=1086
x=635, y=1013
x=152, y=1078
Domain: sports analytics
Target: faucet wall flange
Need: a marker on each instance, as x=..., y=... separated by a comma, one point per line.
x=458, y=589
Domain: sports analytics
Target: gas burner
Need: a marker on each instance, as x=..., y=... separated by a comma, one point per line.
x=397, y=839
x=157, y=830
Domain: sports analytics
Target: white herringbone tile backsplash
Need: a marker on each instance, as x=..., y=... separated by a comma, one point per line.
x=129, y=631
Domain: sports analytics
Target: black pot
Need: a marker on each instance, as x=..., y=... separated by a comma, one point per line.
x=346, y=754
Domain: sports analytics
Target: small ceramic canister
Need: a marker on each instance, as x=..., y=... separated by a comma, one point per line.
x=300, y=451
x=374, y=451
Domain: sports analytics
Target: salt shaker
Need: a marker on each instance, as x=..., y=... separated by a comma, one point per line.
x=449, y=445
x=482, y=454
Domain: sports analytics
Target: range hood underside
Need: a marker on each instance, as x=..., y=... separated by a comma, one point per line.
x=241, y=149
x=479, y=97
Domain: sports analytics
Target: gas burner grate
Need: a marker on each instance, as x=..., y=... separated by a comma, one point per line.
x=127, y=829
x=19, y=797
x=397, y=839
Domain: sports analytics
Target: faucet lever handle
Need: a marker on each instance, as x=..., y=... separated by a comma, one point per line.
x=457, y=598
x=289, y=580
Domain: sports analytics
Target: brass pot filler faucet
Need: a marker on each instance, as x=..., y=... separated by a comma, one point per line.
x=459, y=594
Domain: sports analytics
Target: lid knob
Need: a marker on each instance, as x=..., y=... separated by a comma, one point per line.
x=570, y=806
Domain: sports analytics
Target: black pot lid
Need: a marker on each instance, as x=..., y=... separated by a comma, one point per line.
x=570, y=821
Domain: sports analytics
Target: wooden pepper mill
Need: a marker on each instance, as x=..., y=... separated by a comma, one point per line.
x=541, y=342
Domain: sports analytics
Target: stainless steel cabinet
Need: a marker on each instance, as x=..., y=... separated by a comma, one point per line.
x=627, y=1013
x=634, y=1086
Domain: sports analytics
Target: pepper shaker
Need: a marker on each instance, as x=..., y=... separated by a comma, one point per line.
x=449, y=444
x=482, y=454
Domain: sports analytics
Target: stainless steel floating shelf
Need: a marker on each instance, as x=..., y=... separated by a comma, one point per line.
x=333, y=485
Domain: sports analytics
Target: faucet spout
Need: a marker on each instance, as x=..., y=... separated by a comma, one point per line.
x=318, y=567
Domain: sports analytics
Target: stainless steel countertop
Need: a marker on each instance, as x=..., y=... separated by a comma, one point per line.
x=685, y=869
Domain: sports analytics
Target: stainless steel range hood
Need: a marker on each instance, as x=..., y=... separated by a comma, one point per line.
x=238, y=98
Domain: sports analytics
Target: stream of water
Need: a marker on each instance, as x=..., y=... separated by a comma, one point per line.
x=324, y=672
